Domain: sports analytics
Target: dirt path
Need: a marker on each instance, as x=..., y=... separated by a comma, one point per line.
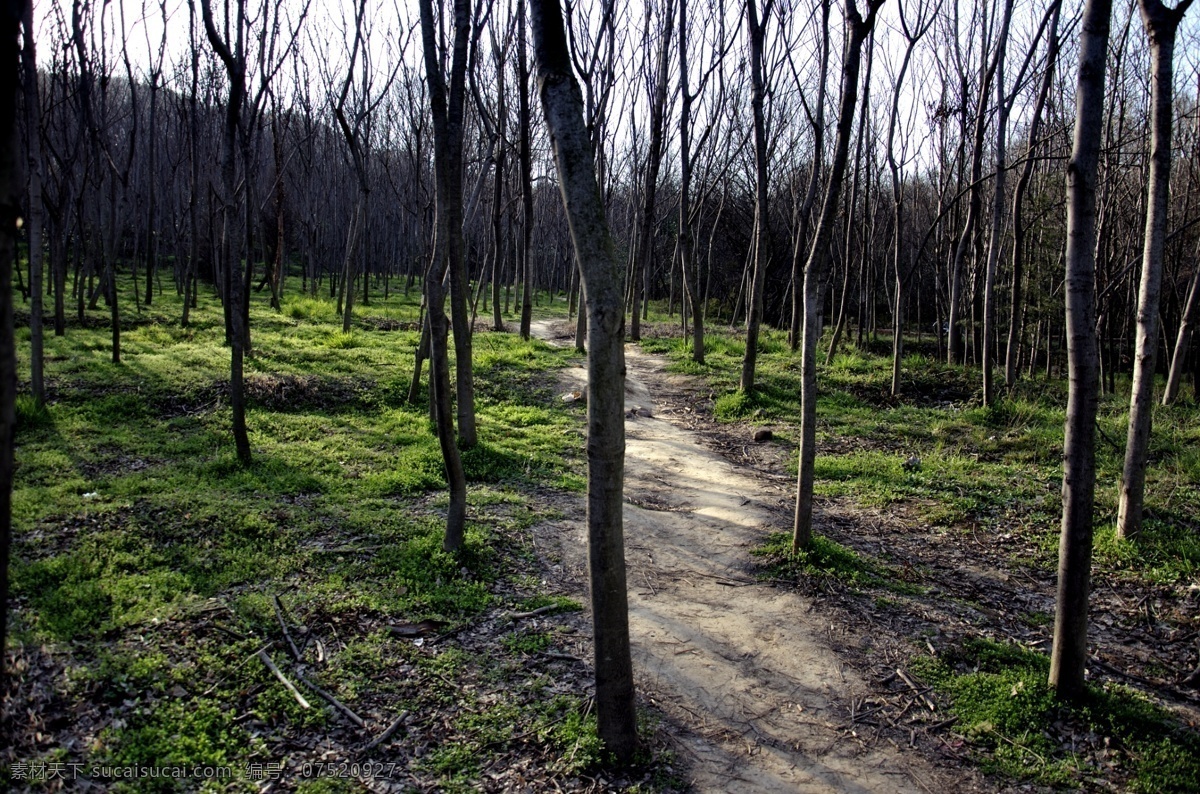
x=739, y=668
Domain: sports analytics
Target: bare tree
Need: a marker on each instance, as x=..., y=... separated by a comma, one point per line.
x=447, y=104
x=242, y=107
x=858, y=28
x=756, y=30
x=987, y=68
x=111, y=170
x=235, y=65
x=10, y=19
x=1016, y=303
x=562, y=103
x=656, y=86
x=34, y=212
x=913, y=34
x=1069, y=652
x=996, y=242
x=525, y=157
x=698, y=147
x=152, y=142
x=804, y=208
x=193, y=135
x=354, y=110
x=1161, y=25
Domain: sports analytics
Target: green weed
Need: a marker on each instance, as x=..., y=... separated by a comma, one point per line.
x=1000, y=695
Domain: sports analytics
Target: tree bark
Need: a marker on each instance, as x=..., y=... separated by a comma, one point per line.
x=498, y=188
x=1017, y=303
x=810, y=193
x=1161, y=24
x=994, y=245
x=912, y=38
x=756, y=30
x=10, y=18
x=955, y=347
x=447, y=138
x=235, y=66
x=1068, y=655
x=858, y=29
x=562, y=103
x=526, y=157
x=658, y=105
x=1187, y=324
x=34, y=212
x=687, y=265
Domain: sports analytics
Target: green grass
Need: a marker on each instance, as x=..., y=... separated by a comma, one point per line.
x=996, y=469
x=826, y=558
x=132, y=518
x=983, y=473
x=1000, y=695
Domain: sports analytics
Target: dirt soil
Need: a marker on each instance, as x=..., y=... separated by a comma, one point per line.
x=745, y=674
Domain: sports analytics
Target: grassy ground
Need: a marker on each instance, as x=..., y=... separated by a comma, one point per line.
x=979, y=466
x=149, y=567
x=957, y=555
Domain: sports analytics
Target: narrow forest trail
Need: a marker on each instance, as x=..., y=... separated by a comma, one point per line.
x=755, y=697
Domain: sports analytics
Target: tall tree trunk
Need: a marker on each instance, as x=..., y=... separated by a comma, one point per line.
x=1017, y=303
x=852, y=204
x=193, y=171
x=498, y=188
x=279, y=265
x=994, y=245
x=152, y=190
x=1187, y=324
x=448, y=130
x=235, y=66
x=858, y=29
x=10, y=18
x=898, y=202
x=34, y=212
x=562, y=103
x=1161, y=25
x=957, y=339
x=689, y=268
x=526, y=158
x=658, y=105
x=756, y=30
x=810, y=193
x=1069, y=652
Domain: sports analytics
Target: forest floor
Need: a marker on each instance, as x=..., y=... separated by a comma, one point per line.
x=930, y=587
x=154, y=576
x=756, y=697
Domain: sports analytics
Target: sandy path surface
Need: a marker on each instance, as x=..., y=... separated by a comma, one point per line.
x=756, y=699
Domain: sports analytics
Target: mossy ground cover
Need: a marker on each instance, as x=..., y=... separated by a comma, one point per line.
x=948, y=559
x=978, y=466
x=1114, y=736
x=150, y=566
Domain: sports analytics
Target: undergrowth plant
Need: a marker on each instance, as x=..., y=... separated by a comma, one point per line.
x=136, y=530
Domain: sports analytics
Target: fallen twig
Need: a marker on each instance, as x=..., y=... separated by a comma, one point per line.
x=236, y=667
x=566, y=657
x=337, y=704
x=279, y=674
x=533, y=613
x=920, y=693
x=937, y=726
x=387, y=733
x=237, y=635
x=287, y=635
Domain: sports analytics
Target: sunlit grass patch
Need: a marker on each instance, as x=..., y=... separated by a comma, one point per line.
x=1004, y=705
x=133, y=516
x=825, y=558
